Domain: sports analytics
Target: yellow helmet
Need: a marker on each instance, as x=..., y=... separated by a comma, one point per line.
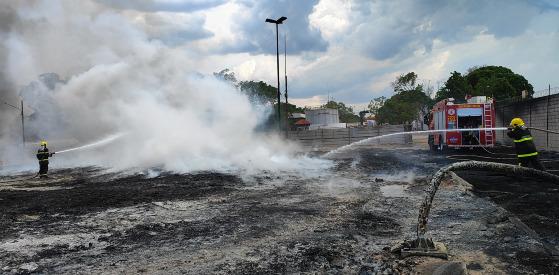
x=43, y=143
x=516, y=122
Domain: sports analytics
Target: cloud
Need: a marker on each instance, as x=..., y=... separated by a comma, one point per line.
x=350, y=49
x=255, y=36
x=374, y=41
x=313, y=101
x=396, y=29
x=171, y=28
x=163, y=5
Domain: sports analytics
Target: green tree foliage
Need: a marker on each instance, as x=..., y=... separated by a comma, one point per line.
x=408, y=104
x=290, y=109
x=492, y=81
x=345, y=113
x=405, y=82
x=498, y=82
x=257, y=91
x=404, y=107
x=455, y=87
x=375, y=104
x=260, y=91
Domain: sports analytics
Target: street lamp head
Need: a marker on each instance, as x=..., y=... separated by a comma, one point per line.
x=279, y=21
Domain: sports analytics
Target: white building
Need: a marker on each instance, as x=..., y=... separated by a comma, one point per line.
x=324, y=118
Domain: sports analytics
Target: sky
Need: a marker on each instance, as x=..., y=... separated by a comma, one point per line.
x=351, y=51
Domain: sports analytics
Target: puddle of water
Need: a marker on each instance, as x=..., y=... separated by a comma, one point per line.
x=393, y=191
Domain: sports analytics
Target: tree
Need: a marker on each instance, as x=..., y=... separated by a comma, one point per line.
x=408, y=104
x=291, y=108
x=226, y=75
x=405, y=82
x=345, y=113
x=498, y=82
x=456, y=87
x=493, y=81
x=375, y=104
x=259, y=91
x=404, y=107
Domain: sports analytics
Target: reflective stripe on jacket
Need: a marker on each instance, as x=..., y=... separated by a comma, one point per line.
x=523, y=142
x=43, y=154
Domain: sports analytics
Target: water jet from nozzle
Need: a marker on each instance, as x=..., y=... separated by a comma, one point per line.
x=365, y=141
x=94, y=144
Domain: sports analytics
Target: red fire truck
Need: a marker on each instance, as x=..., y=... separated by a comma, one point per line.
x=476, y=112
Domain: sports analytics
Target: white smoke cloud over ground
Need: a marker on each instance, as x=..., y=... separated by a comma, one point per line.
x=117, y=80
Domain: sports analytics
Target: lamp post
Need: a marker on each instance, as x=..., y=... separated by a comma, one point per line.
x=286, y=101
x=277, y=22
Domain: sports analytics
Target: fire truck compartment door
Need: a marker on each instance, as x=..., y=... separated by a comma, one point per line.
x=469, y=111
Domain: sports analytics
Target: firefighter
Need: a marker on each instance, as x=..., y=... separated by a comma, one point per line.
x=524, y=144
x=43, y=157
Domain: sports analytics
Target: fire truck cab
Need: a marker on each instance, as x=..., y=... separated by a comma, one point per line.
x=446, y=115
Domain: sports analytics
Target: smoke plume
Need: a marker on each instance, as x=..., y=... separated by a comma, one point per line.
x=111, y=78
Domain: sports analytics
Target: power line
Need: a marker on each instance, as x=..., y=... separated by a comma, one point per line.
x=11, y=105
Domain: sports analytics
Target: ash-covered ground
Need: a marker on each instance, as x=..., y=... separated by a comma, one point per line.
x=343, y=220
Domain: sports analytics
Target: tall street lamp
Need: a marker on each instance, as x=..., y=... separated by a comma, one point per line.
x=286, y=102
x=277, y=22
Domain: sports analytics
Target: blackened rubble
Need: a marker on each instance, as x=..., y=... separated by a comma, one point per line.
x=84, y=220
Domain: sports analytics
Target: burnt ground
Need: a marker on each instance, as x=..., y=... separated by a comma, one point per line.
x=338, y=220
x=535, y=202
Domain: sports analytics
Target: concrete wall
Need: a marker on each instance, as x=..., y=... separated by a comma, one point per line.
x=333, y=138
x=539, y=113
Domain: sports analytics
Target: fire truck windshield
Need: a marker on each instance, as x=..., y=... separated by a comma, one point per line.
x=469, y=112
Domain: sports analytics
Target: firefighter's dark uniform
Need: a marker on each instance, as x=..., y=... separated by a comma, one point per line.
x=525, y=147
x=43, y=157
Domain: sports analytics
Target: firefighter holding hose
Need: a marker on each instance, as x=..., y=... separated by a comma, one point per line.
x=524, y=144
x=43, y=157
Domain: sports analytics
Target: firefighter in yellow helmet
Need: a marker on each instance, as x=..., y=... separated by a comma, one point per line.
x=524, y=144
x=43, y=157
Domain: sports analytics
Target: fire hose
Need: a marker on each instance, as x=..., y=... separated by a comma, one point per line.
x=543, y=130
x=423, y=246
x=469, y=165
x=465, y=157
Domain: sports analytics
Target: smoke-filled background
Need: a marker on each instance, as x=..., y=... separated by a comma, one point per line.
x=85, y=72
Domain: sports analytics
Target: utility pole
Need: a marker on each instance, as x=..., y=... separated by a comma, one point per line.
x=277, y=22
x=22, y=126
x=286, y=101
x=22, y=122
x=547, y=117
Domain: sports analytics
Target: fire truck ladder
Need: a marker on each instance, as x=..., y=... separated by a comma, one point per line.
x=488, y=121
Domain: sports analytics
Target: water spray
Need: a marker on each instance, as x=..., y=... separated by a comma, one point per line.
x=365, y=141
x=95, y=144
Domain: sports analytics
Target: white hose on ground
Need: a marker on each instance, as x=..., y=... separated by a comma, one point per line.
x=509, y=169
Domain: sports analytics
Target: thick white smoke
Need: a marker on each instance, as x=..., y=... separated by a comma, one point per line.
x=119, y=81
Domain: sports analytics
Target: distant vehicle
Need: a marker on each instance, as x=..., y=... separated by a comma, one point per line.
x=476, y=112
